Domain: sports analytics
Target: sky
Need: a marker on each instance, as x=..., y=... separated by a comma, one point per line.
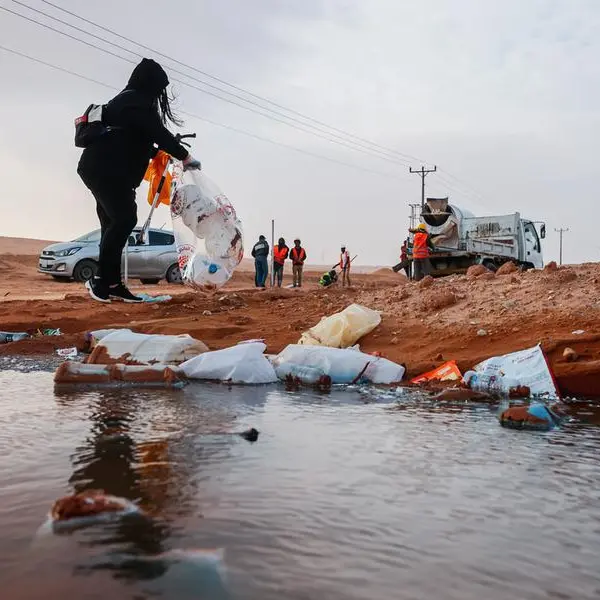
x=503, y=96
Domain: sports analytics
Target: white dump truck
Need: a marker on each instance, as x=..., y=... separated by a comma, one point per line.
x=462, y=239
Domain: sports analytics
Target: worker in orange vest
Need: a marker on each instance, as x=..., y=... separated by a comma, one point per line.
x=345, y=266
x=421, y=252
x=280, y=253
x=298, y=256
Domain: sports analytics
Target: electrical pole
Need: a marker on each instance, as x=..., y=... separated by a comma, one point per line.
x=560, y=232
x=414, y=214
x=423, y=172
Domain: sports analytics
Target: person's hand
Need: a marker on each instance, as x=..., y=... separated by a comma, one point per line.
x=190, y=163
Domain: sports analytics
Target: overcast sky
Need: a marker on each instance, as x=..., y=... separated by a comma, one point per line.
x=503, y=96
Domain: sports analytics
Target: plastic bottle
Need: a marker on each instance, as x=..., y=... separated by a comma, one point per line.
x=490, y=384
x=202, y=271
x=306, y=375
x=9, y=336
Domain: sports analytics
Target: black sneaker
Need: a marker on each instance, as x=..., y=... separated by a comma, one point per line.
x=98, y=290
x=121, y=292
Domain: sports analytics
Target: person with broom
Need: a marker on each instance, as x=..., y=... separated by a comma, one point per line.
x=113, y=164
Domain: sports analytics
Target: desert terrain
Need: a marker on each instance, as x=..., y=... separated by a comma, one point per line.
x=466, y=318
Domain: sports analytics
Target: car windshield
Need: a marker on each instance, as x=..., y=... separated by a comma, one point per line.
x=94, y=236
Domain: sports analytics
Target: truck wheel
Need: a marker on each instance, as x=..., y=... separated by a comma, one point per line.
x=84, y=270
x=174, y=274
x=490, y=265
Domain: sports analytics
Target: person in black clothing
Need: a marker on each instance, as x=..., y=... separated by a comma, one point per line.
x=260, y=252
x=113, y=166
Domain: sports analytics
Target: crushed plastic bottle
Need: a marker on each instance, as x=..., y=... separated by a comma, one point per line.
x=9, y=336
x=306, y=375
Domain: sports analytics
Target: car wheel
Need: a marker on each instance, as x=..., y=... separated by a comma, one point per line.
x=84, y=270
x=174, y=274
x=149, y=281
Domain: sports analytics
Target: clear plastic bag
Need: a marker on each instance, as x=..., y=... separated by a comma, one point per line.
x=207, y=231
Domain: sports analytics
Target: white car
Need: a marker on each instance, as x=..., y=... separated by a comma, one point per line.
x=150, y=262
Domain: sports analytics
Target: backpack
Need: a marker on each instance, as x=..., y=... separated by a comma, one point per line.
x=90, y=126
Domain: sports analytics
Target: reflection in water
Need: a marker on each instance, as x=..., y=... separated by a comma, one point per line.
x=160, y=475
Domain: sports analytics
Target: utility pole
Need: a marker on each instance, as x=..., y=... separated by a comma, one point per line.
x=272, y=252
x=560, y=232
x=423, y=172
x=414, y=214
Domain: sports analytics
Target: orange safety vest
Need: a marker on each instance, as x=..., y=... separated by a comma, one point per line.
x=345, y=260
x=420, y=248
x=298, y=256
x=280, y=254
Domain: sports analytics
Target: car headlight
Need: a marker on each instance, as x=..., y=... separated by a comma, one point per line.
x=68, y=251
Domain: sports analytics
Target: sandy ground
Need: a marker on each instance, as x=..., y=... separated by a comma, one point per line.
x=463, y=318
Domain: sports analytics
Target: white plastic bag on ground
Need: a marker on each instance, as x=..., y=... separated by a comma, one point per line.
x=342, y=329
x=207, y=231
x=244, y=363
x=126, y=347
x=342, y=365
x=524, y=368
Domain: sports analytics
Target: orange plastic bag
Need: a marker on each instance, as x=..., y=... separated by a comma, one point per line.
x=154, y=172
x=446, y=372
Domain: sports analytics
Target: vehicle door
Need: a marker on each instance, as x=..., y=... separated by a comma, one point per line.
x=162, y=252
x=533, y=246
x=137, y=254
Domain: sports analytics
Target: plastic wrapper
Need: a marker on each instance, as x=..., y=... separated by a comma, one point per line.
x=342, y=365
x=207, y=231
x=526, y=368
x=244, y=363
x=343, y=329
x=125, y=347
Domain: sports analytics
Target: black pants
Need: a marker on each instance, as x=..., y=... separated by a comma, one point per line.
x=278, y=271
x=117, y=212
x=421, y=268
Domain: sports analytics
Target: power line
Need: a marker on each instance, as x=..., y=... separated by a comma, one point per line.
x=224, y=82
x=381, y=152
x=210, y=122
x=333, y=138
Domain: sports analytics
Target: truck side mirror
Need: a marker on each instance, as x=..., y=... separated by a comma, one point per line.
x=543, y=231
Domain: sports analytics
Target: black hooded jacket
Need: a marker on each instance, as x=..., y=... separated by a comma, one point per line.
x=121, y=156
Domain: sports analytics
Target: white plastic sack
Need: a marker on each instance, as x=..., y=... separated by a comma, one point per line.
x=126, y=347
x=244, y=363
x=524, y=368
x=342, y=365
x=207, y=231
x=343, y=329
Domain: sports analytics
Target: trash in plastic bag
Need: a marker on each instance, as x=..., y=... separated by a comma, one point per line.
x=524, y=369
x=207, y=231
x=244, y=363
x=123, y=346
x=449, y=371
x=342, y=329
x=85, y=509
x=343, y=365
